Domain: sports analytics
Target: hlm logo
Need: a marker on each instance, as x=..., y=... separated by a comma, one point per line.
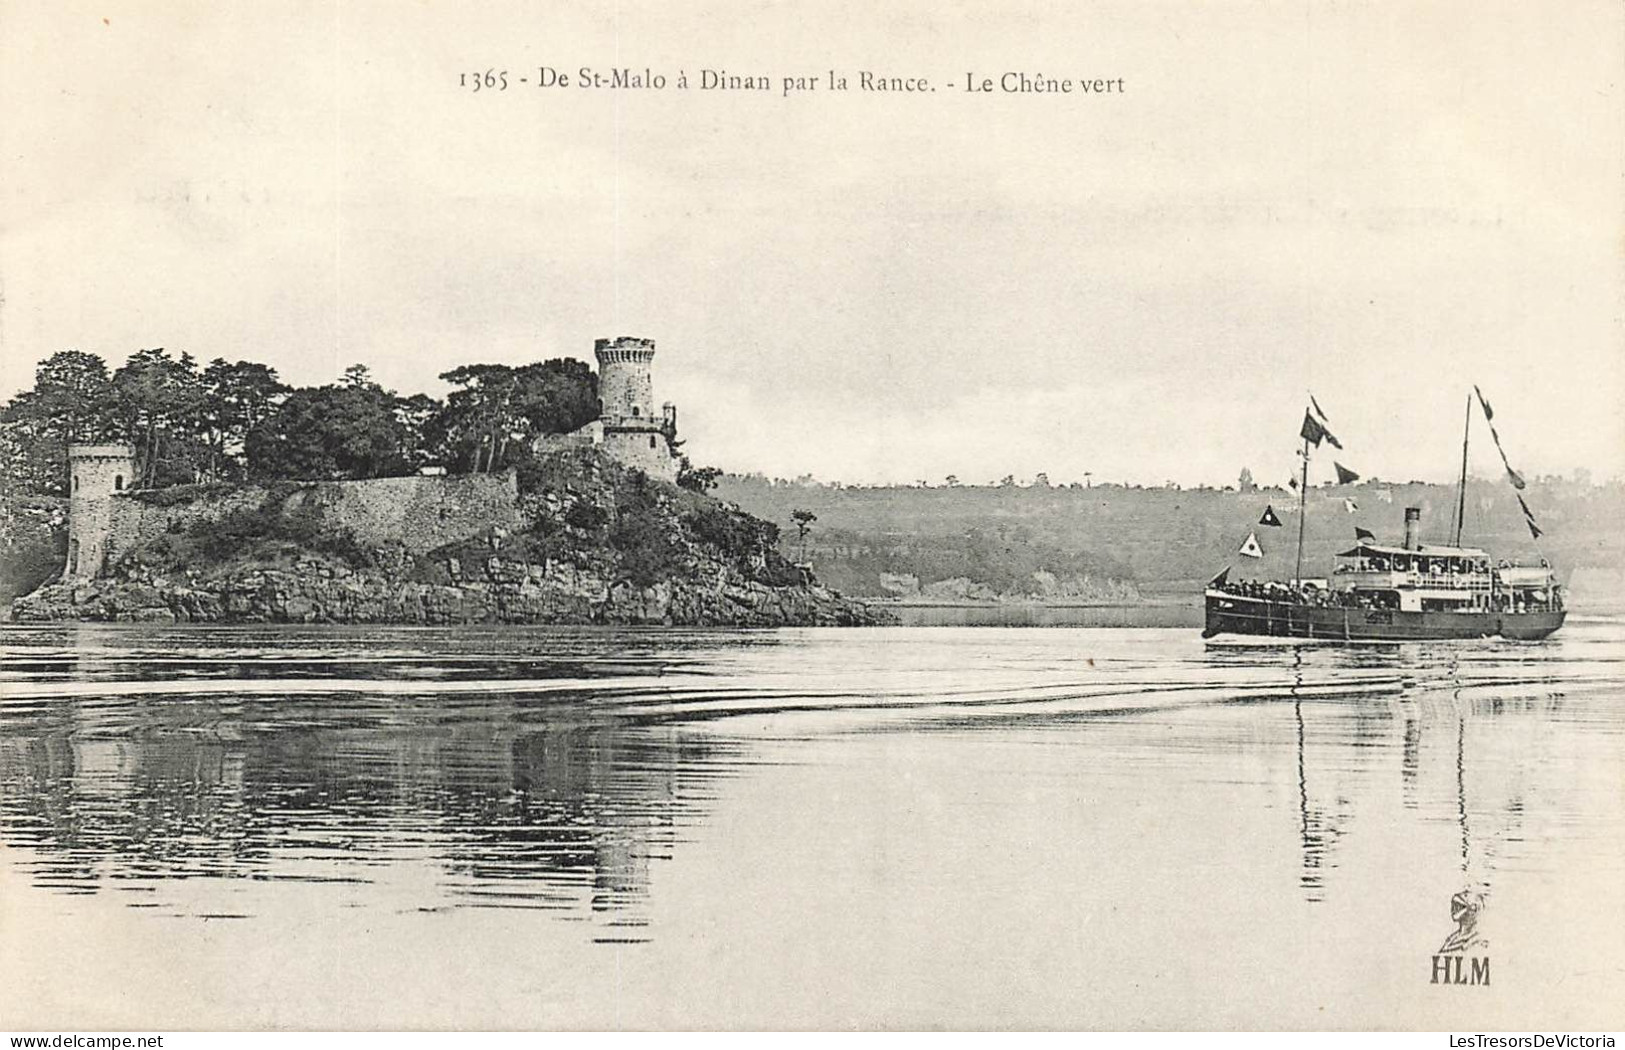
x=1453, y=964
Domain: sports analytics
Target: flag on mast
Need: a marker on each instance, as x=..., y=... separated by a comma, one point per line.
x=1489, y=417
x=1314, y=431
x=1345, y=476
x=1250, y=547
x=1363, y=535
x=1529, y=519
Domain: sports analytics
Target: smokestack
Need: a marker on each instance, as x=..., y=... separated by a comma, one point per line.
x=1413, y=528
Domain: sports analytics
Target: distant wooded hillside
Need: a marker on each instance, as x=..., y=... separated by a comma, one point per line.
x=872, y=540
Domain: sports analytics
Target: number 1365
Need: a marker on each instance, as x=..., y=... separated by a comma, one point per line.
x=490, y=80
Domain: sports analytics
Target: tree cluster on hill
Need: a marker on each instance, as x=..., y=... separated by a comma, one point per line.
x=230, y=421
x=1004, y=537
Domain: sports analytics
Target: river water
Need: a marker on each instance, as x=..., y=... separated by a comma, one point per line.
x=957, y=826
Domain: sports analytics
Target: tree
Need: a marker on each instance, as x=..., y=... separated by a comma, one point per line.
x=159, y=403
x=236, y=398
x=1245, y=481
x=498, y=404
x=329, y=433
x=422, y=441
x=804, y=520
x=33, y=453
x=696, y=479
x=71, y=403
x=73, y=389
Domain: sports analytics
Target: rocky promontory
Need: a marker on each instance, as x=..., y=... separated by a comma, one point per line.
x=595, y=543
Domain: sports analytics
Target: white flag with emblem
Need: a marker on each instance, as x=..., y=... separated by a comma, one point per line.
x=1251, y=548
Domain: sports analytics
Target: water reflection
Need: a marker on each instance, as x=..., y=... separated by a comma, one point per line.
x=554, y=771
x=565, y=817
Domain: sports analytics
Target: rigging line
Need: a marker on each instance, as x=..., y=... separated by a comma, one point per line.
x=1303, y=496
x=1461, y=488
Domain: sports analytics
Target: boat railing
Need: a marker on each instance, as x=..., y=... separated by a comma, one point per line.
x=1410, y=580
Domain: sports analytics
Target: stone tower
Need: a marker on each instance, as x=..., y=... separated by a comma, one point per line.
x=97, y=473
x=633, y=432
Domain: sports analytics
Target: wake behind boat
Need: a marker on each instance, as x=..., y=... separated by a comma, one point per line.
x=1410, y=592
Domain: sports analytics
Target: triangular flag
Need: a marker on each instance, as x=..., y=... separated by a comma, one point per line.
x=1489, y=417
x=1350, y=506
x=1345, y=476
x=1364, y=534
x=1250, y=548
x=1292, y=483
x=1312, y=431
x=1529, y=517
x=1218, y=581
x=1318, y=410
x=1269, y=518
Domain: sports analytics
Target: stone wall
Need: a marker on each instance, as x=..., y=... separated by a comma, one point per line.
x=646, y=449
x=589, y=436
x=423, y=513
x=133, y=523
x=418, y=513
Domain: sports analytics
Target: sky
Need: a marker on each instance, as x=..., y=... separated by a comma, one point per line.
x=1381, y=203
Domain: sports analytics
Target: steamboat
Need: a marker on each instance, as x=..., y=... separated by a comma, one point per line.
x=1410, y=592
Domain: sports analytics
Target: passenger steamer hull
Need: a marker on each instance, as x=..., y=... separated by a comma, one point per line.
x=1240, y=614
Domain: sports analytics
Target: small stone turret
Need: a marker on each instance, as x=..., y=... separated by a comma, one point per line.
x=97, y=474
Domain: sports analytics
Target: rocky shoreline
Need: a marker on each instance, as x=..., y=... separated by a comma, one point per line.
x=582, y=539
x=318, y=589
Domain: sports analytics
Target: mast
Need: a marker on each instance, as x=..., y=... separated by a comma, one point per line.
x=1461, y=489
x=1303, y=496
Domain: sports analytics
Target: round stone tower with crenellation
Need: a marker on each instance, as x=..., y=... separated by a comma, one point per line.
x=633, y=432
x=97, y=474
